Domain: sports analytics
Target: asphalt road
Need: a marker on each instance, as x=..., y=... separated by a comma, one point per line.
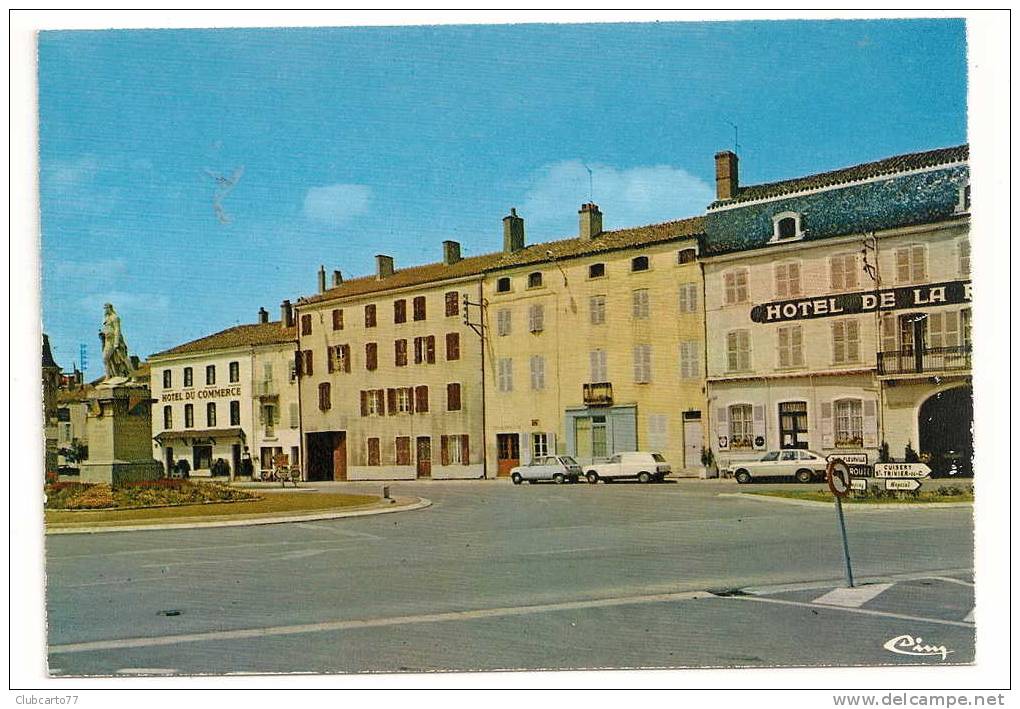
x=494, y=576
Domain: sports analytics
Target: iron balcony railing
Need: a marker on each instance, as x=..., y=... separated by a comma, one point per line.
x=266, y=388
x=598, y=394
x=925, y=360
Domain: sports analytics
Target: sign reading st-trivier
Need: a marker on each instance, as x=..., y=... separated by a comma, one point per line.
x=947, y=293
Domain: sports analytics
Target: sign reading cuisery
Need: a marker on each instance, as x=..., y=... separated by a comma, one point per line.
x=948, y=293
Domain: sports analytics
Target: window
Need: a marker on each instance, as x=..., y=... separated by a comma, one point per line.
x=419, y=307
x=738, y=351
x=453, y=397
x=642, y=364
x=597, y=360
x=539, y=445
x=269, y=419
x=338, y=358
x=639, y=263
x=452, y=346
x=943, y=329
x=371, y=356
x=453, y=450
x=843, y=272
x=400, y=311
x=373, y=402
x=210, y=374
x=503, y=285
x=596, y=270
x=537, y=372
x=235, y=413
x=535, y=280
x=735, y=286
x=210, y=415
x=910, y=264
x=536, y=318
x=690, y=360
x=452, y=304
x=741, y=428
x=791, y=346
x=686, y=256
x=168, y=417
x=963, y=201
x=189, y=416
x=793, y=424
x=503, y=322
x=846, y=341
x=400, y=353
x=402, y=444
x=404, y=397
x=338, y=319
x=641, y=309
x=373, y=451
x=505, y=374
x=308, y=363
x=787, y=279
x=421, y=399
x=370, y=315
x=849, y=423
x=168, y=378
x=188, y=377
x=688, y=297
x=964, y=252
x=234, y=370
x=786, y=225
x=425, y=350
x=294, y=415
x=306, y=324
x=597, y=308
x=965, y=327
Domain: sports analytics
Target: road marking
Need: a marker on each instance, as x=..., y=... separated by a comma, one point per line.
x=852, y=597
x=862, y=611
x=337, y=530
x=566, y=551
x=829, y=583
x=969, y=618
x=162, y=577
x=947, y=579
x=248, y=633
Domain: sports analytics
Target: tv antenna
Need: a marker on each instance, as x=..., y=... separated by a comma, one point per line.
x=736, y=135
x=591, y=198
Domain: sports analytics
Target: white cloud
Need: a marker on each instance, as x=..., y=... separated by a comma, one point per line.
x=633, y=196
x=336, y=204
x=67, y=174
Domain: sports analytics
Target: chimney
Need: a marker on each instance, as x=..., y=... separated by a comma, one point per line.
x=286, y=314
x=263, y=316
x=383, y=266
x=451, y=252
x=726, y=175
x=513, y=232
x=322, y=279
x=338, y=278
x=590, y=220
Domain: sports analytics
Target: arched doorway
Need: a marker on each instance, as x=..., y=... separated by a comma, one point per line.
x=945, y=430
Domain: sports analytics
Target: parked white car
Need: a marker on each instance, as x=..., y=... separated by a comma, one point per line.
x=642, y=466
x=558, y=468
x=806, y=466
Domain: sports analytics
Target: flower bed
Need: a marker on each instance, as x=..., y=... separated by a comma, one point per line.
x=151, y=493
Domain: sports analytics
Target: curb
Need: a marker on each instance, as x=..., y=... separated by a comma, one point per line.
x=415, y=503
x=857, y=506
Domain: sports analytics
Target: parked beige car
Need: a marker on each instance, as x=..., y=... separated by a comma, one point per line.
x=805, y=466
x=637, y=465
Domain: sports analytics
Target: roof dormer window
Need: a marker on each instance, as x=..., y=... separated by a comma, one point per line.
x=963, y=200
x=786, y=226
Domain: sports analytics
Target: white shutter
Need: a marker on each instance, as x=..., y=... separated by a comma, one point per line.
x=784, y=346
x=550, y=442
x=525, y=448
x=870, y=424
x=758, y=427
x=293, y=410
x=826, y=424
x=722, y=429
x=951, y=322
x=796, y=346
x=889, y=333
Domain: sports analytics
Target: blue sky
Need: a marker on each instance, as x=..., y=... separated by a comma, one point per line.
x=350, y=142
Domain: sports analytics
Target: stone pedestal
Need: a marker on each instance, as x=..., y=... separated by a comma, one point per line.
x=119, y=429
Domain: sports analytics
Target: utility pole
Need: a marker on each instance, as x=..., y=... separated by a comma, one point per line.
x=478, y=327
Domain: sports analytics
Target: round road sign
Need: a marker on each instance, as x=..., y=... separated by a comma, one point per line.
x=837, y=473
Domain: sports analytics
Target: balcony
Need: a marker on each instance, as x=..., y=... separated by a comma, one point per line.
x=598, y=394
x=927, y=360
x=266, y=389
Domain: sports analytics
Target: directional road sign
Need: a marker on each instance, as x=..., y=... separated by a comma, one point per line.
x=858, y=484
x=907, y=484
x=902, y=470
x=849, y=458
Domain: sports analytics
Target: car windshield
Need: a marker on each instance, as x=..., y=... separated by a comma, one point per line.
x=658, y=458
x=770, y=456
x=567, y=460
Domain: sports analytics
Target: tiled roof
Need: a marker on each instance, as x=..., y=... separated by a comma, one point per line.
x=238, y=336
x=535, y=253
x=68, y=396
x=856, y=173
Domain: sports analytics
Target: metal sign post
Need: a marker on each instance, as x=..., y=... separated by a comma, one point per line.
x=837, y=474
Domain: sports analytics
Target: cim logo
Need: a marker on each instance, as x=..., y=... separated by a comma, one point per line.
x=915, y=647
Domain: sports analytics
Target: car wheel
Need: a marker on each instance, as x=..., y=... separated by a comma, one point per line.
x=592, y=477
x=644, y=477
x=743, y=477
x=805, y=476
x=516, y=479
x=558, y=478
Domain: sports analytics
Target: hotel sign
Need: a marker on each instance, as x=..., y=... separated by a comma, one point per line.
x=905, y=298
x=207, y=393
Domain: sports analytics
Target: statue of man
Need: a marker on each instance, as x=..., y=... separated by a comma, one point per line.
x=115, y=351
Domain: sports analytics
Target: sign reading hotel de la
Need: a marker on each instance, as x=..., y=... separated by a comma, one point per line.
x=948, y=293
x=200, y=394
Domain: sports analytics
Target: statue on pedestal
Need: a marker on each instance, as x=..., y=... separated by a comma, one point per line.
x=115, y=351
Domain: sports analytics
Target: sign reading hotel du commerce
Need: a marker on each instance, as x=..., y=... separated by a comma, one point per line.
x=906, y=297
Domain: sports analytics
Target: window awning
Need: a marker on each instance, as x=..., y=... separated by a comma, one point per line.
x=200, y=436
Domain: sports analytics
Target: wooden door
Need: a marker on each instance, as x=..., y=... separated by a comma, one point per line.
x=424, y=448
x=692, y=443
x=340, y=456
x=508, y=453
